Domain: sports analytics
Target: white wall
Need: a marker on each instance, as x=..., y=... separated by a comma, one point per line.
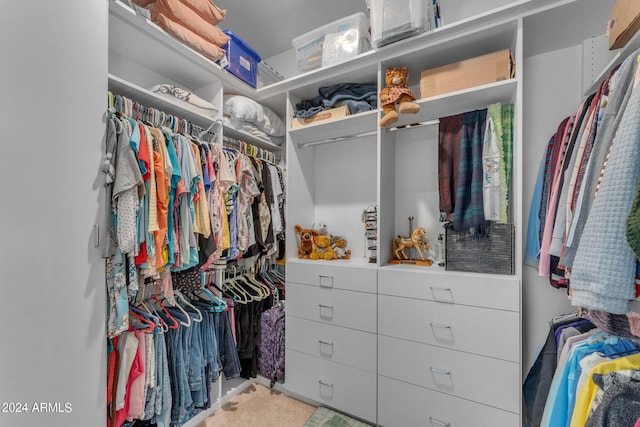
x=53, y=86
x=552, y=91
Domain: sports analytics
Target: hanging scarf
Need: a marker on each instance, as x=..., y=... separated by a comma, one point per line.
x=469, y=207
x=449, y=136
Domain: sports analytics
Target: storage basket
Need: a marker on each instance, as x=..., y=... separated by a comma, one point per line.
x=491, y=253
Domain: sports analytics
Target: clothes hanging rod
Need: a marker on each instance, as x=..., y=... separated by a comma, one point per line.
x=414, y=125
x=339, y=138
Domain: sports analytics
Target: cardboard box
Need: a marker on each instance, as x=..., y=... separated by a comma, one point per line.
x=321, y=117
x=624, y=21
x=489, y=68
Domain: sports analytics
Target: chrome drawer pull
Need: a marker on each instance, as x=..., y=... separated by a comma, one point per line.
x=325, y=306
x=440, y=325
x=438, y=288
x=439, y=371
x=325, y=343
x=440, y=423
x=325, y=384
x=329, y=282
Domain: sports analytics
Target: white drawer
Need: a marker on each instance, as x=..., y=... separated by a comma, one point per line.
x=407, y=405
x=342, y=387
x=355, y=310
x=492, y=291
x=485, y=331
x=330, y=274
x=343, y=345
x=481, y=379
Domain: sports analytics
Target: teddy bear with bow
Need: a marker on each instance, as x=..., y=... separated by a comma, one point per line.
x=396, y=92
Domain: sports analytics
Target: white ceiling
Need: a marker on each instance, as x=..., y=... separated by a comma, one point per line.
x=269, y=26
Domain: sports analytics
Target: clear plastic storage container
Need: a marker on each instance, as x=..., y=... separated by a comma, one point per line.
x=333, y=43
x=393, y=20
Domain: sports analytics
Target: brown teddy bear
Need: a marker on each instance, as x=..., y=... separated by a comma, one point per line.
x=306, y=236
x=339, y=245
x=323, y=248
x=395, y=92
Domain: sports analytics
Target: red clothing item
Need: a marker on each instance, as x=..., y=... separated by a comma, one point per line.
x=136, y=370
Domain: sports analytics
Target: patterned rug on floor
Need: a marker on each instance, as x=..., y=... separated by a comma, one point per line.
x=325, y=417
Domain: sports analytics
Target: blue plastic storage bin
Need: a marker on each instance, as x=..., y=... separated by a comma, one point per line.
x=242, y=59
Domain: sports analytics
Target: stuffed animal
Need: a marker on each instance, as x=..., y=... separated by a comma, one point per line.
x=306, y=236
x=321, y=227
x=397, y=92
x=339, y=245
x=323, y=249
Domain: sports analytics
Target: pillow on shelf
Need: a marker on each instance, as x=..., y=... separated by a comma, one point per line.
x=195, y=103
x=247, y=110
x=182, y=14
x=188, y=37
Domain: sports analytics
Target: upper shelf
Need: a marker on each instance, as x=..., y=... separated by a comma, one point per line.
x=148, y=98
x=348, y=127
x=461, y=101
x=136, y=37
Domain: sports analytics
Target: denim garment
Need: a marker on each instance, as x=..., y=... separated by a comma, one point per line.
x=196, y=365
x=226, y=346
x=331, y=96
x=163, y=393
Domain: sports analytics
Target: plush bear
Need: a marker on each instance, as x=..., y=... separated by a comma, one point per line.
x=323, y=249
x=339, y=245
x=397, y=92
x=321, y=227
x=306, y=237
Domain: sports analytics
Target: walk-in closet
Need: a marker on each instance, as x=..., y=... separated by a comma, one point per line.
x=214, y=217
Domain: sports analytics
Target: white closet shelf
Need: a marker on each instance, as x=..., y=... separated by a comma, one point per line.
x=621, y=54
x=137, y=38
x=350, y=126
x=447, y=41
x=147, y=98
x=246, y=137
x=434, y=107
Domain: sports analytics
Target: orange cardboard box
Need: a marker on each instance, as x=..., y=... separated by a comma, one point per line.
x=323, y=116
x=624, y=21
x=489, y=68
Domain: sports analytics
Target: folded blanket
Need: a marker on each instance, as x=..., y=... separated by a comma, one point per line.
x=187, y=36
x=182, y=14
x=195, y=103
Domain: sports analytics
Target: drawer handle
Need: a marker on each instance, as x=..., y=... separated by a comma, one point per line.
x=329, y=282
x=325, y=384
x=439, y=288
x=325, y=343
x=325, y=306
x=439, y=325
x=438, y=422
x=439, y=371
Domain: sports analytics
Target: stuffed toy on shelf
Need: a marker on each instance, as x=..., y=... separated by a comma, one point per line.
x=396, y=92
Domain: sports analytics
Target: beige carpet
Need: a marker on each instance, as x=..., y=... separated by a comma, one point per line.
x=259, y=406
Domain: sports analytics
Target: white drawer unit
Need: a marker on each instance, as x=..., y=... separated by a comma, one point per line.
x=350, y=309
x=338, y=344
x=491, y=291
x=328, y=274
x=406, y=405
x=342, y=387
x=477, y=330
x=481, y=379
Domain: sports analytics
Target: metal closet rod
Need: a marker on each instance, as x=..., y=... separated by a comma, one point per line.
x=414, y=125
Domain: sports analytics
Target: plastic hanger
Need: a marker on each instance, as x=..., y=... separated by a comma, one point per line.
x=151, y=327
x=186, y=302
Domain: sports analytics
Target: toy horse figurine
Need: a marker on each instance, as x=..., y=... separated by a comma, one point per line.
x=400, y=243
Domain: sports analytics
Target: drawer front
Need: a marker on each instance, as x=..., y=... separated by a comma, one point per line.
x=350, y=309
x=328, y=274
x=491, y=291
x=484, y=331
x=481, y=379
x=407, y=405
x=335, y=343
x=347, y=389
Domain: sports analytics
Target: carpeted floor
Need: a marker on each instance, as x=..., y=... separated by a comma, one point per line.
x=259, y=406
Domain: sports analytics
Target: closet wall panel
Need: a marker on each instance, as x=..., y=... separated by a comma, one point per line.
x=53, y=82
